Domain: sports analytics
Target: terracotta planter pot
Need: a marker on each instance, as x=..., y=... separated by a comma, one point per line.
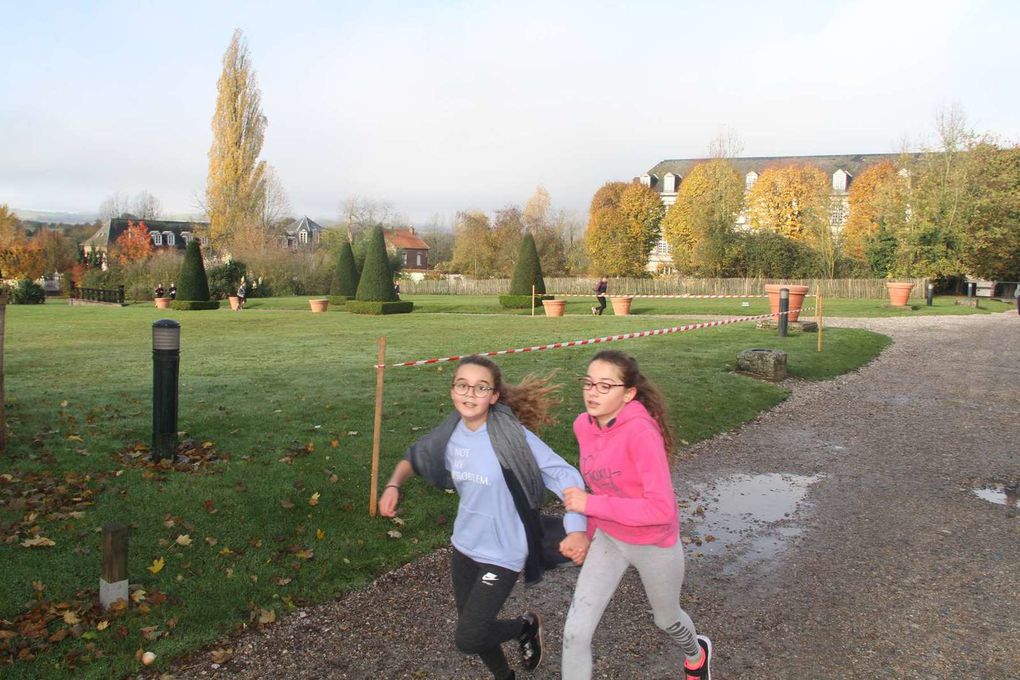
x=318, y=305
x=797, y=294
x=899, y=293
x=235, y=302
x=163, y=303
x=621, y=305
x=554, y=307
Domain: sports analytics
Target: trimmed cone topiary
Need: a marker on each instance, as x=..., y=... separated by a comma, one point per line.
x=192, y=282
x=376, y=284
x=528, y=270
x=345, y=278
x=376, y=278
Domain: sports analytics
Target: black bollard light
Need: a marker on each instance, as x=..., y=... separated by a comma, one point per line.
x=166, y=360
x=971, y=289
x=784, y=310
x=930, y=294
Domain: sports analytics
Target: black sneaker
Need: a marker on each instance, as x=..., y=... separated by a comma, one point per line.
x=531, y=641
x=704, y=671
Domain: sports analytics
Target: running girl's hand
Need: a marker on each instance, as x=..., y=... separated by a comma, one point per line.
x=574, y=499
x=575, y=546
x=388, y=501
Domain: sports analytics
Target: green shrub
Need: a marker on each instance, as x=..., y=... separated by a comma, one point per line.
x=770, y=255
x=27, y=292
x=192, y=282
x=376, y=282
x=339, y=300
x=528, y=270
x=345, y=276
x=521, y=301
x=225, y=278
x=194, y=305
x=378, y=307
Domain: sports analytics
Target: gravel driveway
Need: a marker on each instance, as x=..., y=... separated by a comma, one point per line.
x=879, y=560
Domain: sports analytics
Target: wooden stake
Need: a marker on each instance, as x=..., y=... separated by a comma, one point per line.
x=818, y=304
x=377, y=432
x=532, y=300
x=3, y=410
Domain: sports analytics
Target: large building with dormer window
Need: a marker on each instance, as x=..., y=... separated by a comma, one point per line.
x=665, y=178
x=165, y=234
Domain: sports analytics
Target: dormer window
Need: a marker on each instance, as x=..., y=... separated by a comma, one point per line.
x=169, y=238
x=670, y=182
x=302, y=236
x=840, y=180
x=186, y=236
x=157, y=238
x=749, y=179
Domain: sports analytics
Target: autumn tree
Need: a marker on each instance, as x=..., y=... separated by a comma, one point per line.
x=990, y=246
x=699, y=226
x=235, y=190
x=505, y=239
x=474, y=252
x=11, y=232
x=623, y=227
x=57, y=252
x=134, y=243
x=877, y=198
x=794, y=201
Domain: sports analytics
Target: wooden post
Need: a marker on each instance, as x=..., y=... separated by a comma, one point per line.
x=3, y=408
x=818, y=304
x=113, y=583
x=532, y=299
x=377, y=433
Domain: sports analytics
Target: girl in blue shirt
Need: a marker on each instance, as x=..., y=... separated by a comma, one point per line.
x=501, y=470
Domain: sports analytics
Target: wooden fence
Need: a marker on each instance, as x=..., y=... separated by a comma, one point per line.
x=114, y=296
x=841, y=288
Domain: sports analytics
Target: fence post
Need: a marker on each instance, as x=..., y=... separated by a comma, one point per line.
x=3, y=408
x=113, y=582
x=120, y=294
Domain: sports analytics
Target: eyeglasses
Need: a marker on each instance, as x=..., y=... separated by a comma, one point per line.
x=463, y=389
x=600, y=387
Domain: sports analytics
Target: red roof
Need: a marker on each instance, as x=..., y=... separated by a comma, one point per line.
x=406, y=239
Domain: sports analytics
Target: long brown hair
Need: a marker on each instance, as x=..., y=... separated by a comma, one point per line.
x=647, y=393
x=531, y=400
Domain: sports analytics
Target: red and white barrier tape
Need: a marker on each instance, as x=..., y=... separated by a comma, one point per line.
x=681, y=297
x=595, y=341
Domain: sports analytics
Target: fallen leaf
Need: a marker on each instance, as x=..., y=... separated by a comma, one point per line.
x=102, y=625
x=314, y=500
x=38, y=542
x=221, y=655
x=397, y=520
x=75, y=438
x=286, y=504
x=335, y=443
x=352, y=434
x=157, y=566
x=224, y=551
x=138, y=596
x=393, y=533
x=267, y=616
x=305, y=554
x=63, y=404
x=320, y=534
x=70, y=618
x=210, y=540
x=184, y=539
x=282, y=581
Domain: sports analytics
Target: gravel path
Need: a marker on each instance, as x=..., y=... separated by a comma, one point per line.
x=889, y=566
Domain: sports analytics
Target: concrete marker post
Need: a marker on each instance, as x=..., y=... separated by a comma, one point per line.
x=784, y=311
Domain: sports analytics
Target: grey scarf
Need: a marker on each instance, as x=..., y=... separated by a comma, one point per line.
x=428, y=454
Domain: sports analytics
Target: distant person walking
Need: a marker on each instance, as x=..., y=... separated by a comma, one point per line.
x=600, y=295
x=1016, y=294
x=242, y=293
x=159, y=290
x=173, y=291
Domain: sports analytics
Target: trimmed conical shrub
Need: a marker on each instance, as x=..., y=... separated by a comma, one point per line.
x=376, y=282
x=528, y=271
x=192, y=282
x=345, y=278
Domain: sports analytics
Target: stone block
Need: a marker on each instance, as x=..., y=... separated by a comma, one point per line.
x=769, y=364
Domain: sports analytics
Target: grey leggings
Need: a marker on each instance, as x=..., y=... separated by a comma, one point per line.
x=662, y=574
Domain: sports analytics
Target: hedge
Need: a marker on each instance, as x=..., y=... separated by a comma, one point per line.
x=345, y=277
x=339, y=300
x=528, y=270
x=376, y=283
x=194, y=305
x=378, y=307
x=193, y=284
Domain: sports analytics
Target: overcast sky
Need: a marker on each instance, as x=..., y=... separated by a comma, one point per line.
x=437, y=107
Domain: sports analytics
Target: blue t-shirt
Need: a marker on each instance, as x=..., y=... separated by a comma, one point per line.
x=488, y=528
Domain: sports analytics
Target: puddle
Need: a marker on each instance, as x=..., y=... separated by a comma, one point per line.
x=1000, y=494
x=748, y=518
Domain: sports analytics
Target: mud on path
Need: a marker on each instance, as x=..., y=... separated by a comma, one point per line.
x=879, y=560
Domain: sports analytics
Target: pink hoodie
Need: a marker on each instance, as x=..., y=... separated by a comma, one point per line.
x=625, y=467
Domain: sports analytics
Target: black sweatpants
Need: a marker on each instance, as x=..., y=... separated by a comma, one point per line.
x=602, y=303
x=480, y=591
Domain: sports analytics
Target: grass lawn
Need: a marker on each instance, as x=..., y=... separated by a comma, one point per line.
x=287, y=396
x=487, y=304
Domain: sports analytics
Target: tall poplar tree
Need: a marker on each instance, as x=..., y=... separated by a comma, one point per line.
x=235, y=190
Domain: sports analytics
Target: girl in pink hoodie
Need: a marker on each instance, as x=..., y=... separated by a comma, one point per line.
x=625, y=438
